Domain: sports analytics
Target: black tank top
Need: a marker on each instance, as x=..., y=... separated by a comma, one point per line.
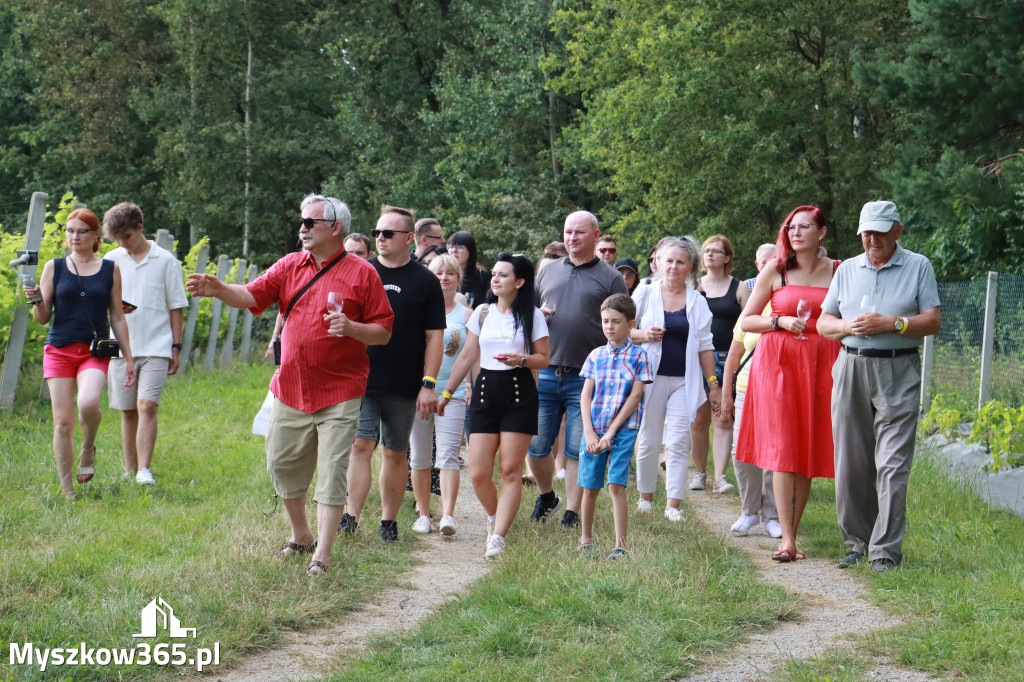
x=725, y=310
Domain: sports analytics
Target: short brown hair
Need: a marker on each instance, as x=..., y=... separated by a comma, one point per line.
x=120, y=219
x=423, y=224
x=408, y=215
x=621, y=303
x=607, y=238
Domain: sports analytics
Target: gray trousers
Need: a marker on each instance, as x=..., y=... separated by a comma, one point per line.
x=875, y=404
x=757, y=495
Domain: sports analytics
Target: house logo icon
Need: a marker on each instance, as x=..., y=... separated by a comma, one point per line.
x=159, y=614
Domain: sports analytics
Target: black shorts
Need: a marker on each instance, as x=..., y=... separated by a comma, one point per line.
x=504, y=401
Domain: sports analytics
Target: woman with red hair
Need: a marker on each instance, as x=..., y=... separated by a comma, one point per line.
x=78, y=292
x=787, y=425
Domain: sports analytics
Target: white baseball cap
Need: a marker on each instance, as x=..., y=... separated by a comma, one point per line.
x=878, y=216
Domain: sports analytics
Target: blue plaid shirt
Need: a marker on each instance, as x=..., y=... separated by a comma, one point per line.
x=614, y=370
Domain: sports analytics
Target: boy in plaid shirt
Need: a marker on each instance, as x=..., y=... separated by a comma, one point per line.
x=611, y=406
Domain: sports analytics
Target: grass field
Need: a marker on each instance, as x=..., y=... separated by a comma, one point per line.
x=81, y=571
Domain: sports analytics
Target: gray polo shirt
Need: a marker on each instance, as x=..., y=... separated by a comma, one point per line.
x=575, y=293
x=903, y=287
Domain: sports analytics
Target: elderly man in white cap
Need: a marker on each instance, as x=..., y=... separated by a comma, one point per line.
x=880, y=306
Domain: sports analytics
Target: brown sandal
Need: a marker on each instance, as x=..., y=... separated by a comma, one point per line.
x=292, y=549
x=316, y=568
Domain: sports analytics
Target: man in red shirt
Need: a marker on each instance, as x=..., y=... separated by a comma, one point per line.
x=318, y=388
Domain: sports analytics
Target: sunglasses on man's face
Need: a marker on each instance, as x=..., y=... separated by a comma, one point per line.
x=309, y=223
x=387, y=234
x=608, y=250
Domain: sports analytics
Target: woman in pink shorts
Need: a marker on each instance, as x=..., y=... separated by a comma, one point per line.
x=78, y=292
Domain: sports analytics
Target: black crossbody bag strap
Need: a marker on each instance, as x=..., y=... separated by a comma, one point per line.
x=323, y=271
x=736, y=374
x=95, y=336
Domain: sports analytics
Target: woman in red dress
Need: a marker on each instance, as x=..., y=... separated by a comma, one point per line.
x=787, y=427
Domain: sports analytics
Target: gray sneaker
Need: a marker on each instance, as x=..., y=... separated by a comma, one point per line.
x=850, y=559
x=617, y=553
x=699, y=481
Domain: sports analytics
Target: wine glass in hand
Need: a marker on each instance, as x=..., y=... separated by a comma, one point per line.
x=803, y=311
x=335, y=305
x=867, y=305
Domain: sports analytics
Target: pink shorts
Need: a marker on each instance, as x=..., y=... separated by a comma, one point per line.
x=68, y=361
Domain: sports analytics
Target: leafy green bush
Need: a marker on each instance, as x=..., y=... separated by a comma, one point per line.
x=999, y=428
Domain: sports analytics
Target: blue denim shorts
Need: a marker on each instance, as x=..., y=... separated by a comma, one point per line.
x=720, y=356
x=389, y=415
x=558, y=391
x=616, y=461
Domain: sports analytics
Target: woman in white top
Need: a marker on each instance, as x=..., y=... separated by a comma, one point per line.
x=674, y=327
x=444, y=430
x=509, y=338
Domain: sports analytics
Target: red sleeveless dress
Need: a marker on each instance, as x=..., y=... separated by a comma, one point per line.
x=786, y=423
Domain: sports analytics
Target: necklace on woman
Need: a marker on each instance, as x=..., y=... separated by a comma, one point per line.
x=814, y=267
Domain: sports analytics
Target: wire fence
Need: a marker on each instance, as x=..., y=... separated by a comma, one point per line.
x=959, y=345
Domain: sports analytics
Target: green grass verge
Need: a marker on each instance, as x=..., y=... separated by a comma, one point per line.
x=82, y=570
x=961, y=587
x=547, y=612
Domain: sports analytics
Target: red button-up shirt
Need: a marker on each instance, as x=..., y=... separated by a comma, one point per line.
x=318, y=370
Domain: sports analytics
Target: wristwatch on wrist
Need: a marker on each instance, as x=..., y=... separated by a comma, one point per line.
x=429, y=382
x=522, y=363
x=176, y=345
x=901, y=325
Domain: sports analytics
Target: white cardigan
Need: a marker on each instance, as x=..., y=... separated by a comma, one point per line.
x=649, y=304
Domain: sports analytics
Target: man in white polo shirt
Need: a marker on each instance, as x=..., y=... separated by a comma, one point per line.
x=881, y=306
x=151, y=280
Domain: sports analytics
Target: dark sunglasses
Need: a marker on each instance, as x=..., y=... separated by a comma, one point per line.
x=308, y=223
x=387, y=234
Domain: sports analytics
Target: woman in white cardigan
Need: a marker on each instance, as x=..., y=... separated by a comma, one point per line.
x=674, y=327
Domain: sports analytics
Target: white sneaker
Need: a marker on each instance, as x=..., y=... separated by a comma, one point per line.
x=721, y=485
x=422, y=525
x=448, y=526
x=644, y=506
x=495, y=546
x=145, y=477
x=744, y=523
x=673, y=514
x=773, y=528
x=699, y=481
x=560, y=476
x=490, y=529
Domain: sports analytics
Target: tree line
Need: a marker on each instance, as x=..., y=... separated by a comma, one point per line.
x=500, y=116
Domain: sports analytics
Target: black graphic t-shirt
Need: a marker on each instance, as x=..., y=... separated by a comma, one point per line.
x=415, y=295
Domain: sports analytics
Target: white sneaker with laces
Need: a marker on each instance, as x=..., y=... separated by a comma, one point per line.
x=495, y=546
x=644, y=506
x=422, y=525
x=145, y=477
x=773, y=528
x=721, y=485
x=448, y=526
x=699, y=481
x=673, y=514
x=744, y=523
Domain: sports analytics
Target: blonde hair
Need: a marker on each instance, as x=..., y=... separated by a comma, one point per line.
x=448, y=262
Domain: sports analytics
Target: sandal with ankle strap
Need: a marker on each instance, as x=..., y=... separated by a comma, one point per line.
x=87, y=471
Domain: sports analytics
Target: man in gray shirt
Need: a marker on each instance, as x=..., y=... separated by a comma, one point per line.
x=880, y=305
x=571, y=291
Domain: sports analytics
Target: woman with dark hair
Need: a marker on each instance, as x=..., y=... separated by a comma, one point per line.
x=79, y=292
x=787, y=423
x=509, y=338
x=476, y=281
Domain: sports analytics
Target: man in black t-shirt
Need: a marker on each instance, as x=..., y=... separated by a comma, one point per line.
x=402, y=373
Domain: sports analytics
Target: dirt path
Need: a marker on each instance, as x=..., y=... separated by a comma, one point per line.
x=308, y=654
x=836, y=608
